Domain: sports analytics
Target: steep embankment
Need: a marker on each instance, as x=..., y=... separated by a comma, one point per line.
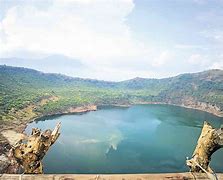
x=203, y=91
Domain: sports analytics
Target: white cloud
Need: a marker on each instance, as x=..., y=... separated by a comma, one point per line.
x=195, y=59
x=188, y=46
x=217, y=65
x=96, y=32
x=93, y=31
x=216, y=35
x=163, y=58
x=198, y=59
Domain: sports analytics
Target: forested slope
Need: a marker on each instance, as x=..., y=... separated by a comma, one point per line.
x=43, y=93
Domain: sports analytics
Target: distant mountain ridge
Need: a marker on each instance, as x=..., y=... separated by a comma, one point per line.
x=55, y=62
x=22, y=87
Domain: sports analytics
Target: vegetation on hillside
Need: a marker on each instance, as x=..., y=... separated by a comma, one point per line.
x=25, y=90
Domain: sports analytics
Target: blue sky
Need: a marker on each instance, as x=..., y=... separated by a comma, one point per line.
x=113, y=39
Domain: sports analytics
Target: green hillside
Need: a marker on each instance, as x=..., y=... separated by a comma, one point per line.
x=25, y=91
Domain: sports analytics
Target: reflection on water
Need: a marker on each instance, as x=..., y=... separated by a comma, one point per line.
x=139, y=139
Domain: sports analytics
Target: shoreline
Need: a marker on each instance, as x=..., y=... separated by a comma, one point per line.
x=12, y=132
x=215, y=112
x=71, y=110
x=20, y=129
x=87, y=108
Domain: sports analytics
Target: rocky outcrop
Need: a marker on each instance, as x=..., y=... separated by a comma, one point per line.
x=81, y=109
x=203, y=106
x=187, y=103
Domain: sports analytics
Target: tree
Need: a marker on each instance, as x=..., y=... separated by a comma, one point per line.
x=29, y=152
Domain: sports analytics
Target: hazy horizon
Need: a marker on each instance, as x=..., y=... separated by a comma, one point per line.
x=110, y=80
x=112, y=40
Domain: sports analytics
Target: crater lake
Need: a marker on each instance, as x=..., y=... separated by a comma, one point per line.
x=137, y=139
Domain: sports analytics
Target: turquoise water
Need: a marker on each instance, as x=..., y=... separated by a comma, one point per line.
x=139, y=139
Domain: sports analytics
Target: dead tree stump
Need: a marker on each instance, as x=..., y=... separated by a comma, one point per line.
x=209, y=141
x=29, y=152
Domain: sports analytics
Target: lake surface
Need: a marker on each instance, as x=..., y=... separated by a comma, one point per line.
x=139, y=139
